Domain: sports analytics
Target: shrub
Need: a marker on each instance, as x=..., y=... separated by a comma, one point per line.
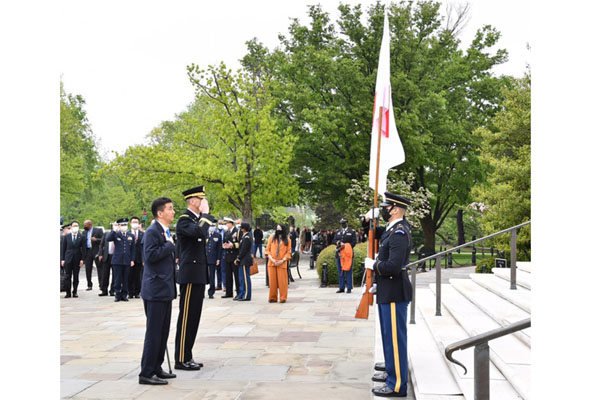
x=327, y=255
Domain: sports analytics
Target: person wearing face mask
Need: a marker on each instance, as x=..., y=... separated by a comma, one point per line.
x=243, y=261
x=192, y=231
x=231, y=244
x=92, y=237
x=135, y=272
x=105, y=253
x=342, y=237
x=394, y=292
x=122, y=259
x=72, y=254
x=279, y=252
x=213, y=258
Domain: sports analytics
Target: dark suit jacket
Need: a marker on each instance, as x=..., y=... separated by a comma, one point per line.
x=73, y=252
x=138, y=246
x=158, y=280
x=244, y=257
x=232, y=236
x=191, y=234
x=96, y=233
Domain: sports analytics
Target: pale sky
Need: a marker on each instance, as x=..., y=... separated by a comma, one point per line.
x=128, y=59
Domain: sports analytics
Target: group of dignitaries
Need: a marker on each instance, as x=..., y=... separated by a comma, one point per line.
x=201, y=249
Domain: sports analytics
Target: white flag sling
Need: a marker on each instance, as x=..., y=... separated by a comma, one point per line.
x=391, y=152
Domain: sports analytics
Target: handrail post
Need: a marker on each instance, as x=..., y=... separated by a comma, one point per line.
x=513, y=259
x=438, y=286
x=413, y=273
x=482, y=371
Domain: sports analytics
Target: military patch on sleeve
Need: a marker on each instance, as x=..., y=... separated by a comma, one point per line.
x=401, y=231
x=184, y=215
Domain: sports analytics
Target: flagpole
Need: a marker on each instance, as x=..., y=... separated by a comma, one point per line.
x=367, y=298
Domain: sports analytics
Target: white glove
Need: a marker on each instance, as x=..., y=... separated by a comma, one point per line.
x=369, y=262
x=369, y=213
x=373, y=289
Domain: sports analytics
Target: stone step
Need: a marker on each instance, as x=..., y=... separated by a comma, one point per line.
x=523, y=278
x=520, y=297
x=446, y=330
x=499, y=309
x=509, y=354
x=430, y=374
x=524, y=266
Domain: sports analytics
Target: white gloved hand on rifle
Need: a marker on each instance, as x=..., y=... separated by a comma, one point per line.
x=369, y=214
x=369, y=262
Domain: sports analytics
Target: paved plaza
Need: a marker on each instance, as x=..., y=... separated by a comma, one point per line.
x=311, y=346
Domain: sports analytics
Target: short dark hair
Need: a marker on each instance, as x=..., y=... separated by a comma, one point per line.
x=132, y=218
x=159, y=205
x=74, y=222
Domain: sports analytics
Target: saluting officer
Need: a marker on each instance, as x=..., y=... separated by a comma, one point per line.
x=243, y=262
x=394, y=292
x=122, y=259
x=344, y=235
x=192, y=232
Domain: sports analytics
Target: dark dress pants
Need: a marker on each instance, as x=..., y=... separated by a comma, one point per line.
x=135, y=279
x=89, y=267
x=190, y=310
x=231, y=275
x=212, y=270
x=72, y=270
x=158, y=320
x=106, y=267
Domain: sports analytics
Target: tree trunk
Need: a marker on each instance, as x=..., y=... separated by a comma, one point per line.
x=461, y=227
x=429, y=231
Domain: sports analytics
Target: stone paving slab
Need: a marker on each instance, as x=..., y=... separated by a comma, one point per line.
x=310, y=346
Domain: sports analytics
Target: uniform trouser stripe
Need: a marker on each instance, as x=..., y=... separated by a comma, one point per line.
x=395, y=344
x=186, y=308
x=245, y=284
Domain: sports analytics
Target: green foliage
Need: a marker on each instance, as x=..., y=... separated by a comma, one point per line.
x=506, y=151
x=226, y=140
x=327, y=255
x=327, y=76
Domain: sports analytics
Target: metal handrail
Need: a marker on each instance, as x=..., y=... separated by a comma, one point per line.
x=481, y=360
x=438, y=267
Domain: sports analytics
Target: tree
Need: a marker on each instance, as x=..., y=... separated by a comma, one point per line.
x=227, y=140
x=441, y=95
x=506, y=150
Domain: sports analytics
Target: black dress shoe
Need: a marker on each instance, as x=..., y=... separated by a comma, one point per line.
x=124, y=299
x=103, y=294
x=187, y=366
x=117, y=300
x=153, y=380
x=137, y=296
x=112, y=293
x=340, y=291
x=235, y=299
x=380, y=366
x=197, y=363
x=380, y=377
x=211, y=296
x=130, y=297
x=165, y=375
x=225, y=296
x=385, y=391
x=89, y=288
x=75, y=295
x=349, y=291
x=67, y=295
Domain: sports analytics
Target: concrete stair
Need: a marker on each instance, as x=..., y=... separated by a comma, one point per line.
x=471, y=307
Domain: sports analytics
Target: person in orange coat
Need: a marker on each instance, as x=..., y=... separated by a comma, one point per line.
x=279, y=252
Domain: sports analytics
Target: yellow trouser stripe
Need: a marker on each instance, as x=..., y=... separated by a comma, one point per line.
x=246, y=282
x=395, y=344
x=186, y=305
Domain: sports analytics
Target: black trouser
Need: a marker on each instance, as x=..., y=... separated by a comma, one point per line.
x=106, y=267
x=158, y=320
x=72, y=269
x=231, y=274
x=212, y=270
x=190, y=310
x=89, y=267
x=135, y=279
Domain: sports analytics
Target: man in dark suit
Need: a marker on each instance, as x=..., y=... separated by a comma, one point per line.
x=258, y=240
x=158, y=291
x=343, y=236
x=213, y=258
x=92, y=237
x=105, y=253
x=122, y=259
x=243, y=262
x=72, y=254
x=135, y=273
x=192, y=232
x=231, y=244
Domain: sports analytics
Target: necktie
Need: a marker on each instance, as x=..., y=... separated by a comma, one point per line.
x=168, y=233
x=74, y=238
x=89, y=241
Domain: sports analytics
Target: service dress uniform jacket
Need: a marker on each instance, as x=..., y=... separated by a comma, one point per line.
x=158, y=291
x=214, y=248
x=121, y=261
x=394, y=292
x=192, y=232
